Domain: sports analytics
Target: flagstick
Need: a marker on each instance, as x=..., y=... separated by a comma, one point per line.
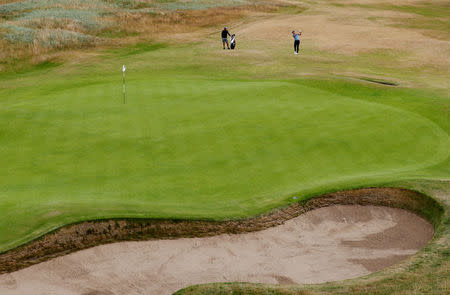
x=123, y=71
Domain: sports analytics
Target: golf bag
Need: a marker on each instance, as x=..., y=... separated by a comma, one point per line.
x=233, y=41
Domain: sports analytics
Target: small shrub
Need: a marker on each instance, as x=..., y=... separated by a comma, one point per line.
x=59, y=38
x=89, y=20
x=18, y=34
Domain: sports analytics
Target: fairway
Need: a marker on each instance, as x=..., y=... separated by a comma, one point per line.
x=184, y=148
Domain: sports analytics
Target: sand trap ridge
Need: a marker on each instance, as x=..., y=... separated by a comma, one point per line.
x=326, y=244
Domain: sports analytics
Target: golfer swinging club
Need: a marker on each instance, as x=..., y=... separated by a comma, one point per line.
x=225, y=35
x=296, y=41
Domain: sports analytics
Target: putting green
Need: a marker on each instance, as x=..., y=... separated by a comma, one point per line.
x=194, y=149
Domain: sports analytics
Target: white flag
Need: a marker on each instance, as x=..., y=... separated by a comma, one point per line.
x=123, y=68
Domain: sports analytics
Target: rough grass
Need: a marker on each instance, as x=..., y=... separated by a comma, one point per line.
x=171, y=5
x=86, y=20
x=33, y=28
x=41, y=28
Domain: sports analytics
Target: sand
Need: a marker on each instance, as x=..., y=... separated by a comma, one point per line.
x=327, y=244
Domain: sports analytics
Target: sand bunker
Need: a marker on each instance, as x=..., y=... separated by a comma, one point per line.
x=326, y=244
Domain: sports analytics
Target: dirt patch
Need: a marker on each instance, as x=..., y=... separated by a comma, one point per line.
x=91, y=233
x=309, y=248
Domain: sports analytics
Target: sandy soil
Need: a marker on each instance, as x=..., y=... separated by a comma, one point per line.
x=327, y=244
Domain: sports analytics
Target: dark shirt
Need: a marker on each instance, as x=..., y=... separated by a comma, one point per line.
x=225, y=34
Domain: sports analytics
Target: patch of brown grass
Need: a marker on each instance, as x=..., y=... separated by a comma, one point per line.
x=7, y=1
x=178, y=22
x=12, y=54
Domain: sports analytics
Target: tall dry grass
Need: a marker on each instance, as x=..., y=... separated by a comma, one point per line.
x=175, y=22
x=68, y=26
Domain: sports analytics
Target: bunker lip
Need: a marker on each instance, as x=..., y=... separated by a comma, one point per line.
x=88, y=234
x=332, y=243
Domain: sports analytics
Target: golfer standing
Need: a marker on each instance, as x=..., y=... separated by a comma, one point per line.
x=225, y=35
x=296, y=41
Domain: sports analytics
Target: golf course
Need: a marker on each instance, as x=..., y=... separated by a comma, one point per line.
x=206, y=134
